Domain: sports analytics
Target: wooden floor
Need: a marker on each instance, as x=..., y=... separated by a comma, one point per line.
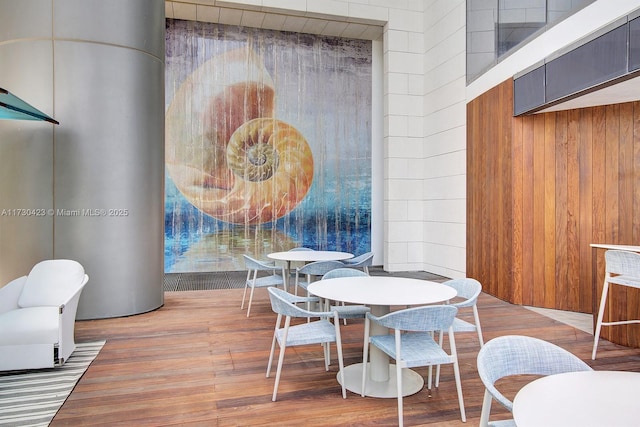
x=198, y=361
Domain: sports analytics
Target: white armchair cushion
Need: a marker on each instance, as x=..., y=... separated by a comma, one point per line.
x=10, y=293
x=29, y=326
x=47, y=281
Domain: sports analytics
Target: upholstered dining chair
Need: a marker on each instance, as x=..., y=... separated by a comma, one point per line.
x=519, y=355
x=320, y=331
x=296, y=264
x=412, y=343
x=363, y=261
x=253, y=281
x=312, y=270
x=623, y=269
x=347, y=311
x=468, y=290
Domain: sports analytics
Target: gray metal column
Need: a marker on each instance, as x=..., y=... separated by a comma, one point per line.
x=98, y=67
x=109, y=150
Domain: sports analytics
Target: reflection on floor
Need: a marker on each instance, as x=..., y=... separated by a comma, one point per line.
x=235, y=279
x=582, y=321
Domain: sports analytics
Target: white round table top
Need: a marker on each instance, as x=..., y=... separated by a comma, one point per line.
x=309, y=256
x=382, y=290
x=581, y=399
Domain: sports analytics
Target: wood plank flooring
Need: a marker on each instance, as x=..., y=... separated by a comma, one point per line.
x=199, y=361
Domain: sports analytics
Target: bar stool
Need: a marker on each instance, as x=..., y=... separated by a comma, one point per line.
x=622, y=268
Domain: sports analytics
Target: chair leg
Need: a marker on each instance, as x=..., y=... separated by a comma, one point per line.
x=345, y=319
x=250, y=301
x=440, y=341
x=400, y=402
x=278, y=372
x=327, y=355
x=486, y=409
x=478, y=328
x=244, y=294
x=283, y=347
x=596, y=334
x=456, y=371
x=336, y=323
x=365, y=355
x=273, y=347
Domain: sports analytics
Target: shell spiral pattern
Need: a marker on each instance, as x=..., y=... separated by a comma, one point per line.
x=239, y=164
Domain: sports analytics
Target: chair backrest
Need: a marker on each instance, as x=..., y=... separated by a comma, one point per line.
x=467, y=288
x=623, y=262
x=365, y=259
x=282, y=302
x=344, y=272
x=52, y=282
x=519, y=355
x=300, y=248
x=254, y=264
x=420, y=319
x=320, y=268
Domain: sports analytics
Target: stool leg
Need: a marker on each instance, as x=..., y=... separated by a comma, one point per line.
x=596, y=334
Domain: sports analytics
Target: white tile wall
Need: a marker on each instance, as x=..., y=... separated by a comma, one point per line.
x=399, y=83
x=441, y=189
x=445, y=142
x=399, y=210
x=408, y=148
x=208, y=14
x=445, y=211
x=451, y=163
x=185, y=11
x=329, y=7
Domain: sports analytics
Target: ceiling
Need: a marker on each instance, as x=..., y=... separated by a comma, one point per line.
x=276, y=19
x=625, y=91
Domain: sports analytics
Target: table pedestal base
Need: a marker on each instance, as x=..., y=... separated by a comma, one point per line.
x=412, y=382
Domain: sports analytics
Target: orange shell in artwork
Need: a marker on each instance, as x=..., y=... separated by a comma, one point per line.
x=224, y=150
x=273, y=168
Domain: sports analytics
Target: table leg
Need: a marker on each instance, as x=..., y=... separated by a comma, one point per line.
x=379, y=368
x=287, y=277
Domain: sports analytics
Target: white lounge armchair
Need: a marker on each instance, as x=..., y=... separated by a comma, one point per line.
x=38, y=314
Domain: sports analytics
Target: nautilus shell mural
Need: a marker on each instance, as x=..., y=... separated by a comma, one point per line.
x=267, y=144
x=242, y=165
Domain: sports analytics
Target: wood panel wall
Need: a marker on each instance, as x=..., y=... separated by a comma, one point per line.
x=542, y=188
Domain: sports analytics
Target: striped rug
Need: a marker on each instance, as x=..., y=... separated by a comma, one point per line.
x=33, y=397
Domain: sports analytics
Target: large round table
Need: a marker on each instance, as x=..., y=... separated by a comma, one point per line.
x=380, y=293
x=579, y=399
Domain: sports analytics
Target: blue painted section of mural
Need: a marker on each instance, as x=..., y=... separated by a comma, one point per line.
x=296, y=106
